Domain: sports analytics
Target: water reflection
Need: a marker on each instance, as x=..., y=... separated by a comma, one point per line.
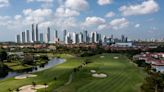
x=7, y=74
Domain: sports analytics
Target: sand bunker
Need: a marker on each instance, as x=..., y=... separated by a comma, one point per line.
x=93, y=71
x=115, y=57
x=101, y=75
x=98, y=75
x=31, y=88
x=101, y=56
x=25, y=76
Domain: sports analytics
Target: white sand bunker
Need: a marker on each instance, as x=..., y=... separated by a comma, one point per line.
x=116, y=57
x=31, y=88
x=93, y=71
x=101, y=56
x=25, y=76
x=101, y=75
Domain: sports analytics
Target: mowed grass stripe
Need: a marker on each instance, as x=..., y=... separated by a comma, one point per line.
x=104, y=83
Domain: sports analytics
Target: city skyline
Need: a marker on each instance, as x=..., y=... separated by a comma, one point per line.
x=52, y=36
x=137, y=19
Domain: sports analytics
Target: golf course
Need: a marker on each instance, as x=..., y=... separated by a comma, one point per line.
x=118, y=74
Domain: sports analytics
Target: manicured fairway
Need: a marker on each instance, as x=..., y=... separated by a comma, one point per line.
x=123, y=76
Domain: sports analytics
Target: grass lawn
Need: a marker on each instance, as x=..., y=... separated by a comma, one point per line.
x=123, y=76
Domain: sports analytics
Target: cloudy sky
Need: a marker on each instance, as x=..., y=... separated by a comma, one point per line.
x=137, y=19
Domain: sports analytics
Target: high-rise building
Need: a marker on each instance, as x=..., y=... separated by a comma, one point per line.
x=65, y=33
x=81, y=38
x=48, y=35
x=41, y=38
x=28, y=36
x=104, y=39
x=75, y=38
x=56, y=34
x=99, y=38
x=18, y=39
x=85, y=36
x=68, y=38
x=94, y=37
x=37, y=33
x=56, y=37
x=33, y=33
x=23, y=37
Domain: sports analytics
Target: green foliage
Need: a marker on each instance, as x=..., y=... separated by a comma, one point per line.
x=3, y=55
x=28, y=59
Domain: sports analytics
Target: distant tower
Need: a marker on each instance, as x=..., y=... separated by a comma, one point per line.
x=28, y=36
x=23, y=37
x=81, y=38
x=41, y=38
x=56, y=34
x=48, y=35
x=68, y=38
x=85, y=36
x=18, y=39
x=37, y=33
x=92, y=37
x=65, y=33
x=33, y=33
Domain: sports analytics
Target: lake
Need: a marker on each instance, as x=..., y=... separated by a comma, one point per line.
x=51, y=63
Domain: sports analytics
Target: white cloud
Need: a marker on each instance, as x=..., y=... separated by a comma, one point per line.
x=119, y=23
x=94, y=21
x=146, y=7
x=36, y=16
x=104, y=2
x=103, y=27
x=137, y=25
x=110, y=14
x=66, y=12
x=17, y=17
x=45, y=1
x=77, y=4
x=4, y=3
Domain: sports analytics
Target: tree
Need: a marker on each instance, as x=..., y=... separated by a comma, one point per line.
x=3, y=55
x=45, y=84
x=9, y=90
x=28, y=59
x=33, y=84
x=17, y=90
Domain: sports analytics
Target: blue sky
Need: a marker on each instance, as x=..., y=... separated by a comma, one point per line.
x=137, y=19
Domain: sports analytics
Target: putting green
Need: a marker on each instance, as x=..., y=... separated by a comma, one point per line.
x=122, y=76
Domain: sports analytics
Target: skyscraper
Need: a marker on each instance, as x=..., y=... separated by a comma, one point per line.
x=68, y=38
x=28, y=36
x=75, y=38
x=18, y=39
x=81, y=38
x=85, y=36
x=56, y=34
x=41, y=38
x=92, y=37
x=65, y=33
x=23, y=37
x=33, y=33
x=48, y=35
x=37, y=33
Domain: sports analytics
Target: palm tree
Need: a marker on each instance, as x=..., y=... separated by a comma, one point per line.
x=17, y=90
x=45, y=84
x=34, y=84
